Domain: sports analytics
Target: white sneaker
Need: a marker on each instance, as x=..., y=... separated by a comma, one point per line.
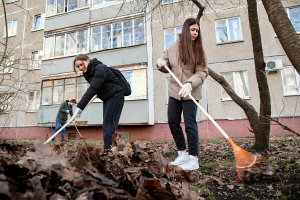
x=182, y=157
x=190, y=164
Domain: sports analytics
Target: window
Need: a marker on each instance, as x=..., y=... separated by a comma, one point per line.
x=7, y=65
x=46, y=92
x=294, y=15
x=129, y=79
x=54, y=92
x=75, y=4
x=116, y=35
x=5, y=102
x=290, y=81
x=38, y=22
x=11, y=1
x=57, y=97
x=228, y=30
x=238, y=82
x=66, y=44
x=36, y=60
x=170, y=36
x=33, y=101
x=55, y=7
x=81, y=87
x=11, y=28
x=170, y=1
x=98, y=2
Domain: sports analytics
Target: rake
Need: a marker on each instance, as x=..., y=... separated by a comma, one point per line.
x=243, y=159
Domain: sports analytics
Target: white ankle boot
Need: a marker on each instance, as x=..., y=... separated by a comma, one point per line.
x=190, y=163
x=182, y=157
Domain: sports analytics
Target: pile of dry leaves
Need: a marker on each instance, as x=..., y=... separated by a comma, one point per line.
x=127, y=171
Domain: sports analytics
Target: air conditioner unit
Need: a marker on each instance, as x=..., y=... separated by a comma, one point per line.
x=273, y=65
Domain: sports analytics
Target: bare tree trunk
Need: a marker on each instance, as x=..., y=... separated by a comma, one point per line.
x=260, y=126
x=262, y=136
x=284, y=30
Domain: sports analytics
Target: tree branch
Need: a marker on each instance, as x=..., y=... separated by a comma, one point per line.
x=282, y=125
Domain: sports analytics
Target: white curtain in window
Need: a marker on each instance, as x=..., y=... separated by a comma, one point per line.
x=81, y=41
x=234, y=29
x=49, y=47
x=51, y=7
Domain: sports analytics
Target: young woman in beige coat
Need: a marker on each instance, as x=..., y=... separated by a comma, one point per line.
x=186, y=59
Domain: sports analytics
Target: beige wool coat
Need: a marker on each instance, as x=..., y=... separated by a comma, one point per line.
x=185, y=73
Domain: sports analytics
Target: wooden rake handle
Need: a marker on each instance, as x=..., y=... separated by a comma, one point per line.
x=72, y=118
x=209, y=117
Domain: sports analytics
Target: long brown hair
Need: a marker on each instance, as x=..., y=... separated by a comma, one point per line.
x=79, y=57
x=188, y=53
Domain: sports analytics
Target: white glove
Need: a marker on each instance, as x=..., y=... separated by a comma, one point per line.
x=67, y=111
x=78, y=111
x=161, y=62
x=185, y=90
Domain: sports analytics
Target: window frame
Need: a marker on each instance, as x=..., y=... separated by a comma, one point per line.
x=104, y=2
x=88, y=1
x=112, y=36
x=63, y=89
x=36, y=101
x=175, y=35
x=65, y=44
x=131, y=97
x=297, y=78
x=228, y=31
x=288, y=13
x=234, y=85
x=42, y=23
x=40, y=54
x=173, y=1
x=11, y=1
x=12, y=30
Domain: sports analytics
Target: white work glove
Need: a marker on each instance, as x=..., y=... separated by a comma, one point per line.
x=78, y=111
x=67, y=111
x=161, y=62
x=185, y=90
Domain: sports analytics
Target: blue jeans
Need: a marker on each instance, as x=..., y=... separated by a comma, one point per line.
x=112, y=109
x=57, y=126
x=189, y=109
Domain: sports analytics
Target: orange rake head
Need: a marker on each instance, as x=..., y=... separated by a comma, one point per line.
x=243, y=160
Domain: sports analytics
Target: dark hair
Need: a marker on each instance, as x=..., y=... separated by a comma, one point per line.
x=73, y=100
x=187, y=52
x=79, y=57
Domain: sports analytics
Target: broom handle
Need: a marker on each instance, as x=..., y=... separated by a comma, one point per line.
x=209, y=117
x=72, y=118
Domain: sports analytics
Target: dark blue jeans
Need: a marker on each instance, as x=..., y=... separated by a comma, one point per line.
x=189, y=109
x=57, y=126
x=112, y=109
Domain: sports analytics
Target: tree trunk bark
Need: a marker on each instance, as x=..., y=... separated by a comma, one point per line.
x=262, y=136
x=284, y=30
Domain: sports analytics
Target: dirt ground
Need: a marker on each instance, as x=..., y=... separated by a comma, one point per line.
x=141, y=170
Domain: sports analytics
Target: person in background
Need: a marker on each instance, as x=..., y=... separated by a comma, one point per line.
x=107, y=87
x=62, y=116
x=186, y=59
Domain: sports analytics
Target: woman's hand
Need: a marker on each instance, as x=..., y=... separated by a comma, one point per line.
x=161, y=62
x=185, y=90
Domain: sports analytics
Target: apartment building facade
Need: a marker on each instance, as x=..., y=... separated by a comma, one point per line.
x=131, y=36
x=21, y=66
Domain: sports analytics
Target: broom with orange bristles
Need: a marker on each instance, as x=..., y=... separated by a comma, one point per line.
x=243, y=159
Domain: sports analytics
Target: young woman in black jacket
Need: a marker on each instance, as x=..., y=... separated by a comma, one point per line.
x=107, y=86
